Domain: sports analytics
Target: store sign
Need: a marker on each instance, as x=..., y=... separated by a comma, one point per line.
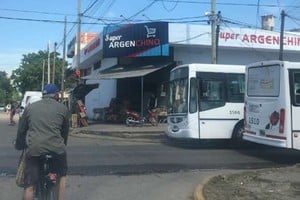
x=136, y=40
x=187, y=34
x=92, y=46
x=292, y=40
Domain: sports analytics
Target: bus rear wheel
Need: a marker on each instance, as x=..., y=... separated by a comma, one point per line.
x=237, y=135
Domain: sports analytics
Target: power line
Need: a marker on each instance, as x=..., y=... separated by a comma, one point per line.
x=90, y=6
x=38, y=12
x=170, y=9
x=43, y=20
x=191, y=38
x=225, y=4
x=294, y=18
x=180, y=19
x=143, y=9
x=106, y=21
x=93, y=11
x=235, y=22
x=154, y=1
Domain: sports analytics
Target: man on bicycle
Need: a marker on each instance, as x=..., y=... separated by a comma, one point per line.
x=43, y=128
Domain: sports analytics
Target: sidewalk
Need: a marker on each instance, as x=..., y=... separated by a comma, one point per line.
x=261, y=184
x=146, y=132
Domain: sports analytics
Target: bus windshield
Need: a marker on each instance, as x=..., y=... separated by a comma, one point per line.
x=178, y=91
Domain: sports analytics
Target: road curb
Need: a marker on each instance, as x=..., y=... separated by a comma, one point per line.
x=198, y=192
x=117, y=137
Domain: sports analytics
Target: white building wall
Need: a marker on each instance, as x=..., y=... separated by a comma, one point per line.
x=187, y=55
x=101, y=96
x=237, y=56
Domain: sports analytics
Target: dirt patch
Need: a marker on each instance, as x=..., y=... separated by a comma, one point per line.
x=263, y=184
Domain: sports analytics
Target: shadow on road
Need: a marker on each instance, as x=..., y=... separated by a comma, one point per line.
x=273, y=154
x=208, y=144
x=278, y=156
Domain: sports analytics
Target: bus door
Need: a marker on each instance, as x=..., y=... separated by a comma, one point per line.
x=295, y=104
x=211, y=102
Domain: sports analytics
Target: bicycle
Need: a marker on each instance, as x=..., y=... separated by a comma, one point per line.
x=46, y=188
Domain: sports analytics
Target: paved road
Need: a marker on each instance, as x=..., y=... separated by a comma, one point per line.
x=107, y=169
x=108, y=185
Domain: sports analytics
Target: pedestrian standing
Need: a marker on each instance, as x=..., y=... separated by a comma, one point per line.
x=12, y=114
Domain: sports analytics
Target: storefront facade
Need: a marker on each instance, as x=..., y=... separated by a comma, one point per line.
x=130, y=62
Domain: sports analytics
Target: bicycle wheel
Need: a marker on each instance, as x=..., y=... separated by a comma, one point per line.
x=46, y=189
x=51, y=193
x=40, y=193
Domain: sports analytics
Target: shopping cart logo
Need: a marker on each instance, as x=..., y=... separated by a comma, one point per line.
x=150, y=31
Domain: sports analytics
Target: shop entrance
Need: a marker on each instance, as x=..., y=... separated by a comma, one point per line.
x=134, y=92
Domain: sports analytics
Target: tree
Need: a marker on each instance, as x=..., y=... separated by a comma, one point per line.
x=7, y=92
x=29, y=75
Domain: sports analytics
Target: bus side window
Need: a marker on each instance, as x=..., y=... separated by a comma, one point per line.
x=193, y=95
x=236, y=87
x=296, y=80
x=211, y=94
x=297, y=97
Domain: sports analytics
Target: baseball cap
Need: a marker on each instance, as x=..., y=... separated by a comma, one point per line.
x=50, y=89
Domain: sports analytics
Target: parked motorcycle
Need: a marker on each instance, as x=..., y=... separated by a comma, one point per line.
x=135, y=119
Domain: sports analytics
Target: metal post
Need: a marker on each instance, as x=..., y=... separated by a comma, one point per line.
x=213, y=32
x=142, y=96
x=78, y=38
x=54, y=59
x=48, y=62
x=281, y=35
x=217, y=34
x=63, y=61
x=43, y=75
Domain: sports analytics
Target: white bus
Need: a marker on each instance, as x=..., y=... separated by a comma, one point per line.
x=272, y=104
x=206, y=101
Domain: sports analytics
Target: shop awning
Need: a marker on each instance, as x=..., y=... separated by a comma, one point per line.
x=119, y=71
x=81, y=90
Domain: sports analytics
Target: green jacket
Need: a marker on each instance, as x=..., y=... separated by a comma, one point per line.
x=44, y=126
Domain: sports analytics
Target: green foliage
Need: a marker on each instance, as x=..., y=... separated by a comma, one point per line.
x=29, y=75
x=7, y=92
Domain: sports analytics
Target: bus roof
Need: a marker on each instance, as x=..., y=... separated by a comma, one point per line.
x=213, y=67
x=286, y=64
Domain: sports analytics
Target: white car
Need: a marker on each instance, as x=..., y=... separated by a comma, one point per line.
x=29, y=99
x=2, y=107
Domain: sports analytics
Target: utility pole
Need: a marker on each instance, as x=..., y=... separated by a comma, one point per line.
x=63, y=61
x=217, y=34
x=48, y=62
x=281, y=35
x=213, y=32
x=78, y=40
x=54, y=58
x=43, y=75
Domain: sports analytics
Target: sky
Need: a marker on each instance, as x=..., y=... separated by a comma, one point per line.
x=27, y=26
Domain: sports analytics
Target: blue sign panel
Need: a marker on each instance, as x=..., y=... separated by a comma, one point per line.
x=136, y=40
